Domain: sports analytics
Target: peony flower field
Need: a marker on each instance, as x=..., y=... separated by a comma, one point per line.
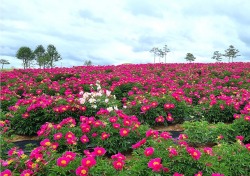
x=115, y=120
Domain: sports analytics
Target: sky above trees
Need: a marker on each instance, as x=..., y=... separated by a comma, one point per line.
x=115, y=32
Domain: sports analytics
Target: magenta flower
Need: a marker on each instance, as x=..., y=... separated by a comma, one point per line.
x=155, y=164
x=27, y=172
x=63, y=161
x=124, y=132
x=82, y=171
x=99, y=151
x=149, y=151
x=88, y=162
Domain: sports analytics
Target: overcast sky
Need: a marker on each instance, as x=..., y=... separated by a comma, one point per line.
x=111, y=32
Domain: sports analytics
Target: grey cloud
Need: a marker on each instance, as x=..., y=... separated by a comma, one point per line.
x=88, y=15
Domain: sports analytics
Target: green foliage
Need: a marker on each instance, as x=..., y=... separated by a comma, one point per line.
x=4, y=62
x=190, y=57
x=217, y=56
x=122, y=90
x=26, y=55
x=231, y=53
x=202, y=133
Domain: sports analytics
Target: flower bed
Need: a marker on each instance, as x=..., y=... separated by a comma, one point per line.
x=87, y=117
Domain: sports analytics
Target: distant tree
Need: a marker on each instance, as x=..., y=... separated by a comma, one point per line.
x=165, y=51
x=26, y=55
x=155, y=51
x=39, y=54
x=190, y=57
x=52, y=55
x=217, y=56
x=87, y=62
x=4, y=62
x=231, y=53
x=160, y=53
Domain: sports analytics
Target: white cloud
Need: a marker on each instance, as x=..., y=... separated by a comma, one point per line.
x=115, y=32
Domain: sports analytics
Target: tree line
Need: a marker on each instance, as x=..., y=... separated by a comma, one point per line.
x=230, y=53
x=41, y=57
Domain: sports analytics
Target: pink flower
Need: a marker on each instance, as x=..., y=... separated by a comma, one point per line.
x=6, y=172
x=88, y=162
x=208, y=150
x=177, y=174
x=159, y=119
x=99, y=151
x=198, y=174
x=240, y=138
x=118, y=164
x=169, y=118
x=247, y=146
x=124, y=132
x=139, y=143
x=118, y=156
x=183, y=137
x=116, y=125
x=70, y=155
x=217, y=174
x=104, y=136
x=196, y=154
x=155, y=164
x=54, y=145
x=172, y=152
x=149, y=151
x=58, y=136
x=84, y=139
x=166, y=135
x=82, y=171
x=45, y=143
x=27, y=172
x=236, y=116
x=69, y=135
x=63, y=161
x=113, y=119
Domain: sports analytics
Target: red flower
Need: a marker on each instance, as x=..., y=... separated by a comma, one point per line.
x=155, y=164
x=63, y=161
x=149, y=151
x=118, y=164
x=124, y=132
x=88, y=162
x=99, y=151
x=81, y=171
